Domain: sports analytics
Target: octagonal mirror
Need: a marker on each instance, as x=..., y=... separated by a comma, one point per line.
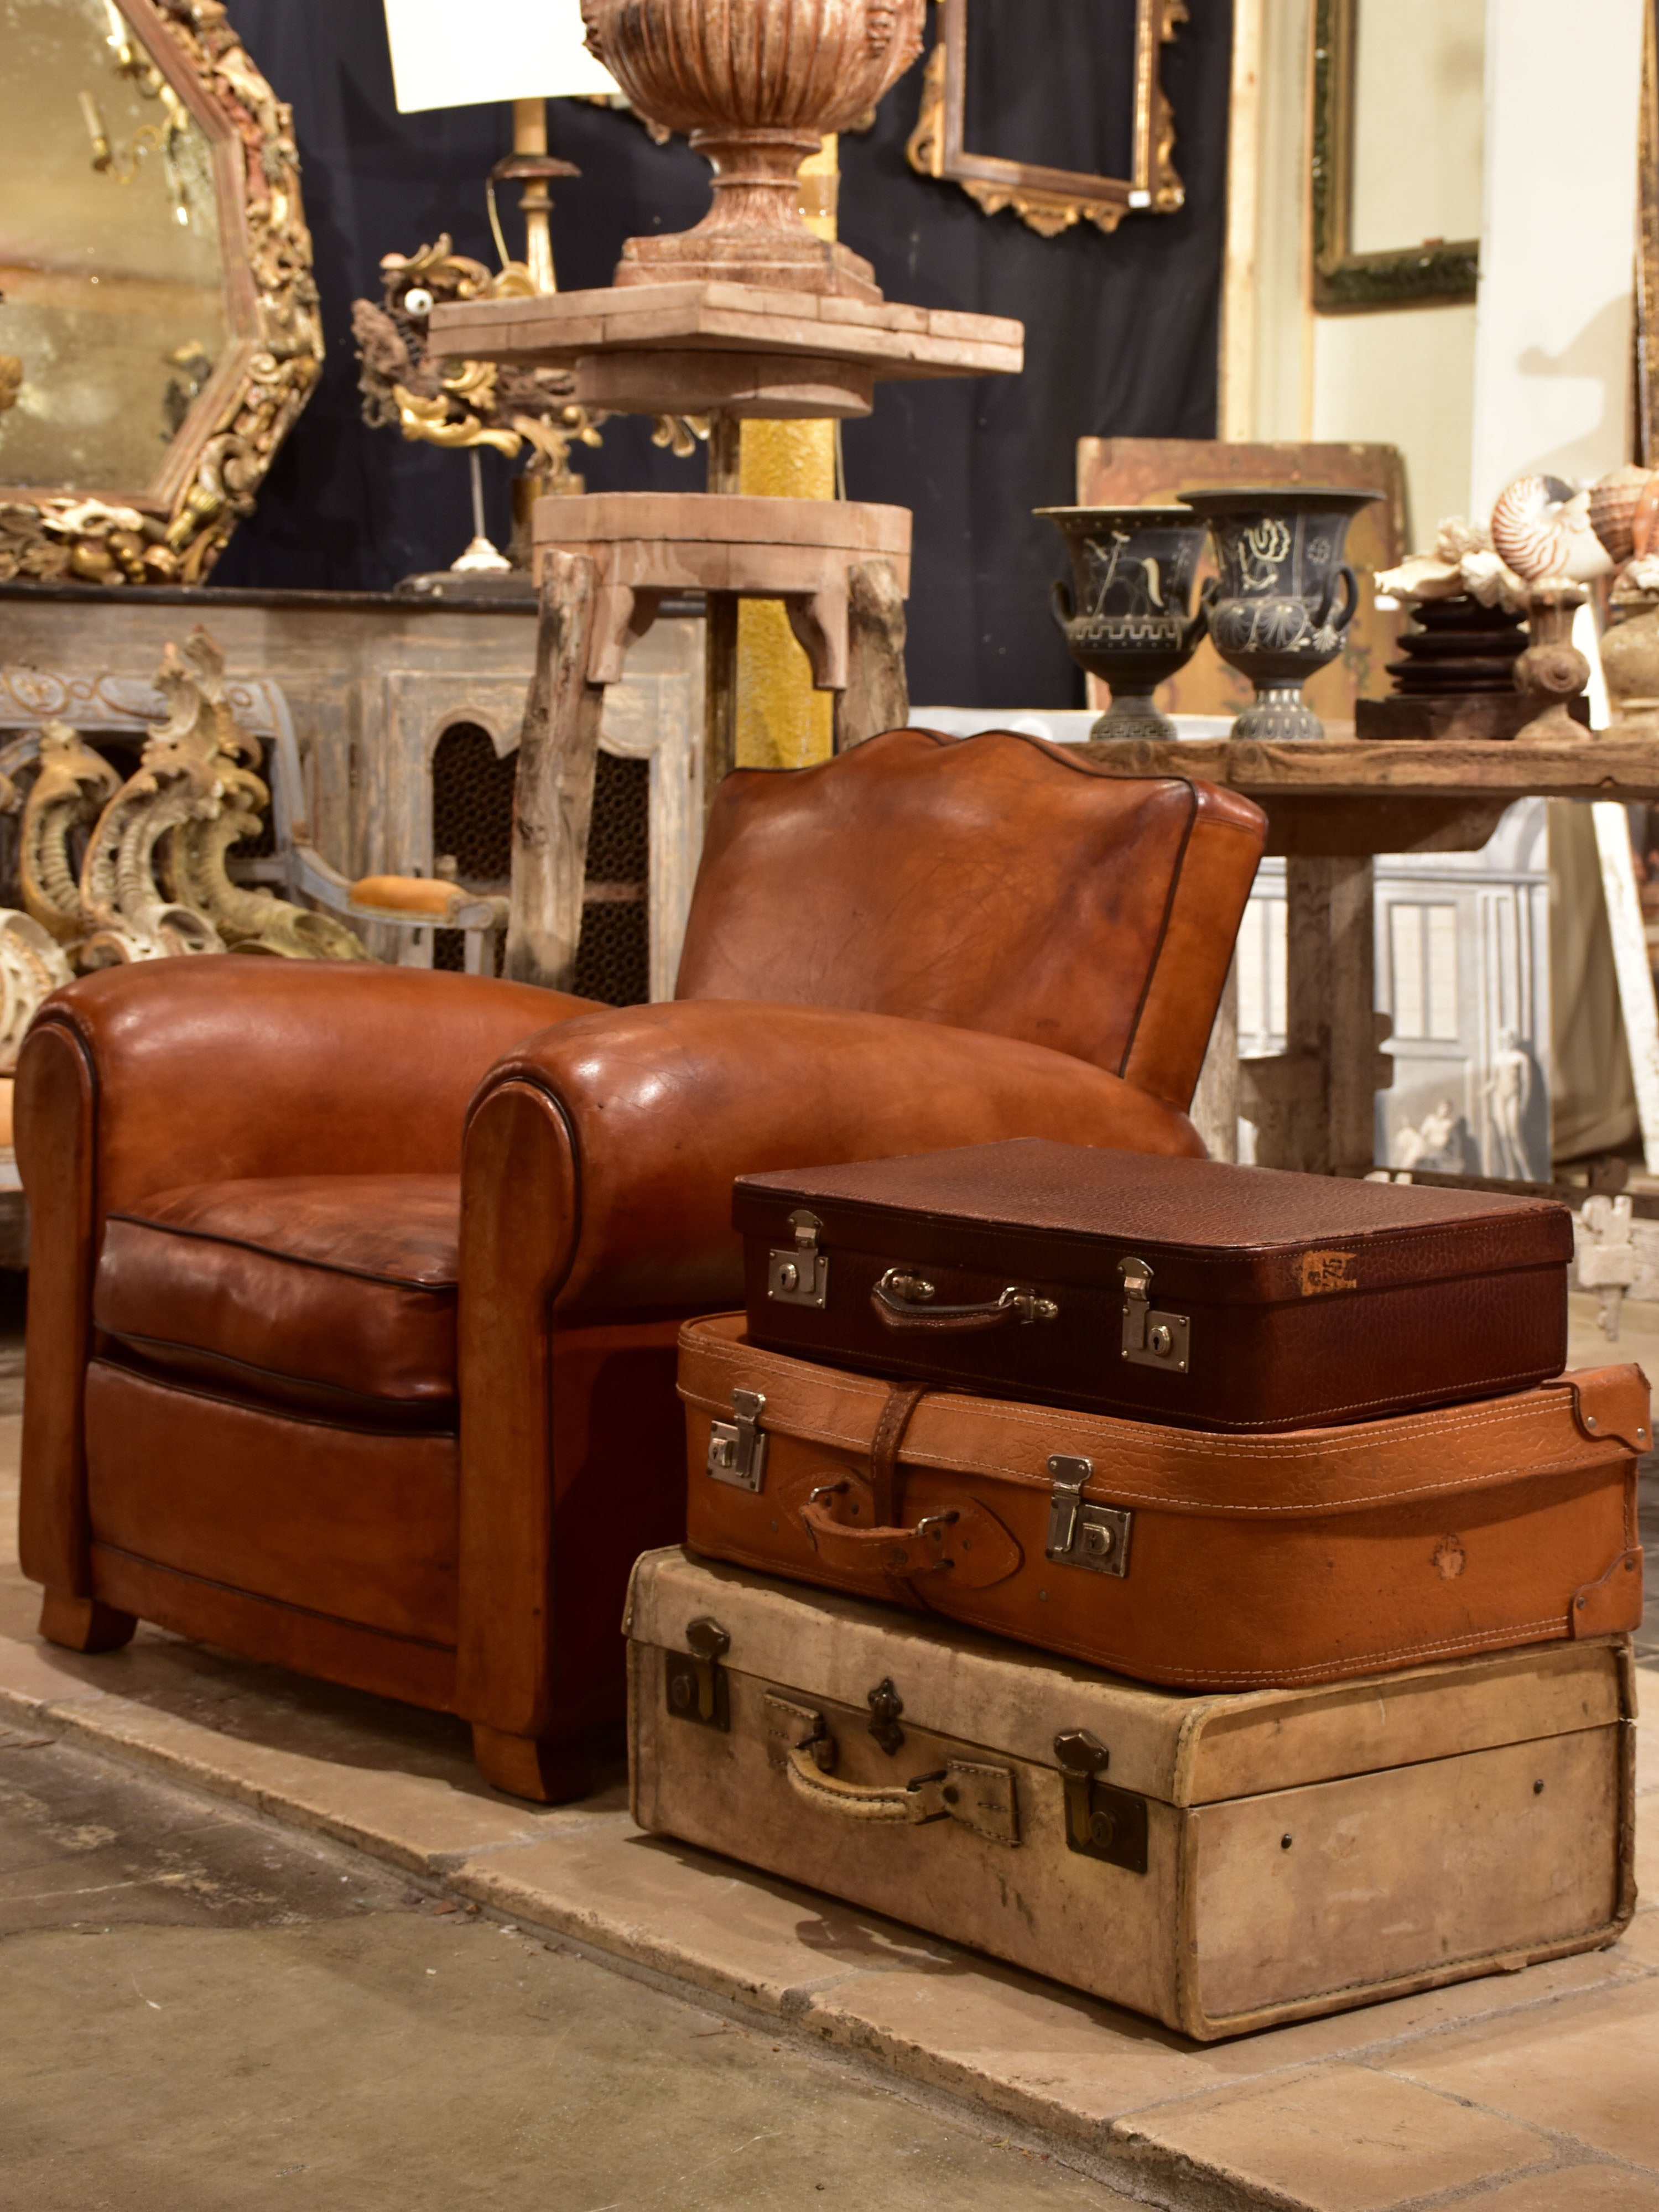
x=158, y=318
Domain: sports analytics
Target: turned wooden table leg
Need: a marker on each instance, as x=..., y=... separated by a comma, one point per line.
x=553, y=790
x=1314, y=1105
x=84, y=1624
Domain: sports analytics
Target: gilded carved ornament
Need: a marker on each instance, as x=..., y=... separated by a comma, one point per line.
x=153, y=882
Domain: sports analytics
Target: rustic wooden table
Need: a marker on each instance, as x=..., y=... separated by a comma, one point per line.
x=1332, y=805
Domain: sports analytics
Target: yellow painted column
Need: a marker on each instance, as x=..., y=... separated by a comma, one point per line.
x=782, y=722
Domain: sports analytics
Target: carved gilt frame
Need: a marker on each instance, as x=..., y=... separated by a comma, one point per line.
x=1344, y=281
x=172, y=529
x=1051, y=200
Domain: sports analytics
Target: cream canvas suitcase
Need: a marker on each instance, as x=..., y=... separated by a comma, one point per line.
x=1222, y=1863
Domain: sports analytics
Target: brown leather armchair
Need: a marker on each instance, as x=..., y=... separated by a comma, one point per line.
x=355, y=1289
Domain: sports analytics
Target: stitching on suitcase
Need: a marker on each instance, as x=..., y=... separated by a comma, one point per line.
x=1265, y=1450
x=1361, y=1661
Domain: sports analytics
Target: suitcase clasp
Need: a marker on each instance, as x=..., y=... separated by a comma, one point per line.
x=799, y=1276
x=737, y=1449
x=1101, y=1822
x=1095, y=1537
x=696, y=1680
x=1150, y=1339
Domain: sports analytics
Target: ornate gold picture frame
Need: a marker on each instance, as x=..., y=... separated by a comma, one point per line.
x=172, y=528
x=1344, y=281
x=1051, y=200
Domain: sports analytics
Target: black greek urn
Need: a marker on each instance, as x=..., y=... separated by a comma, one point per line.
x=1127, y=616
x=1275, y=616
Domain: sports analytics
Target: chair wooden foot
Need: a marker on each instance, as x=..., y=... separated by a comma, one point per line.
x=550, y=1770
x=84, y=1624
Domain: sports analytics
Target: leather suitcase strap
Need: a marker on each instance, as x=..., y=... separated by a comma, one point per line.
x=1581, y=1422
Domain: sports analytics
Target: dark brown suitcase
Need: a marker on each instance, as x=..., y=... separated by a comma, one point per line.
x=1238, y=1299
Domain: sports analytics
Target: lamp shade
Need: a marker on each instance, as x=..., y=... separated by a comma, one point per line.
x=490, y=50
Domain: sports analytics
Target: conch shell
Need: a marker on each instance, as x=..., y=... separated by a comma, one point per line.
x=1540, y=527
x=1462, y=563
x=1624, y=512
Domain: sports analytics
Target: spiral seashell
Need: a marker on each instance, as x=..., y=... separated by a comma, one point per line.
x=1613, y=506
x=1542, y=529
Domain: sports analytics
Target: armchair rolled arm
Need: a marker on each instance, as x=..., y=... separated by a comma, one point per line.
x=234, y=1067
x=656, y=1109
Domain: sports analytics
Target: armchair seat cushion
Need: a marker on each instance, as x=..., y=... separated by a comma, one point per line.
x=332, y=1296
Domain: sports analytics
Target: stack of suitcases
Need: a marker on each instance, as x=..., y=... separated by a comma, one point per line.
x=1201, y=1585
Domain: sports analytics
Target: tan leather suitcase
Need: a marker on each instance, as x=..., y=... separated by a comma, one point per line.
x=1220, y=1862
x=1243, y=1299
x=1202, y=1561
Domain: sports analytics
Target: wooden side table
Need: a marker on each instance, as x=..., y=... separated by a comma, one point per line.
x=1332, y=805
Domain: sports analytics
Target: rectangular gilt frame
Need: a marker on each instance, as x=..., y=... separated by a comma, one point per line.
x=1344, y=281
x=1051, y=200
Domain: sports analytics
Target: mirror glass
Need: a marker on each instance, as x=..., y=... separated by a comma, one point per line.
x=1418, y=135
x=114, y=309
x=1052, y=84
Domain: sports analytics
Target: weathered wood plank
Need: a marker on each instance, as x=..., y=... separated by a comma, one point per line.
x=553, y=796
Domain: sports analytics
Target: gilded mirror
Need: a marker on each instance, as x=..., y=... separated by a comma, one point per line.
x=158, y=329
x=1391, y=229
x=1054, y=108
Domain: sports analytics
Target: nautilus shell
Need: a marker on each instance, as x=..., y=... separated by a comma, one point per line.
x=1624, y=511
x=1542, y=528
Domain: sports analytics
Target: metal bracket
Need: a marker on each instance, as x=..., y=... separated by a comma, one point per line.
x=1095, y=1537
x=696, y=1680
x=1101, y=1822
x=1150, y=1339
x=801, y=1277
x=737, y=1449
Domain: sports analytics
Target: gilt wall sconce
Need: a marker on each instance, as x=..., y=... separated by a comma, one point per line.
x=989, y=52
x=1387, y=232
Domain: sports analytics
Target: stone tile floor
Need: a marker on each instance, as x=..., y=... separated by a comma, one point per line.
x=1533, y=2092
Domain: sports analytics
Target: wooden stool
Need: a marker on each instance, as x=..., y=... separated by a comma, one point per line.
x=606, y=562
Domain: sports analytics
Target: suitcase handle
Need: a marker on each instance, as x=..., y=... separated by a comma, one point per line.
x=898, y=1297
x=978, y=1794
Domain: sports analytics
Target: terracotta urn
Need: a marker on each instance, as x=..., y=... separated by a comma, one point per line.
x=1275, y=616
x=755, y=85
x=1128, y=614
x=1630, y=661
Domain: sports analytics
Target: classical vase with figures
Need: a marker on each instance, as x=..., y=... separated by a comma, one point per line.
x=1128, y=614
x=1276, y=616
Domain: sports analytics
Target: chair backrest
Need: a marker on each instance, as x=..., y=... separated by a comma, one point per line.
x=991, y=883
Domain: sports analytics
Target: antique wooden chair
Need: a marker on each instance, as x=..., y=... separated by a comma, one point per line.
x=354, y=1290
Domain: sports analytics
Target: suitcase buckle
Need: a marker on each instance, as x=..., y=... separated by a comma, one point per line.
x=801, y=1276
x=1150, y=1339
x=1095, y=1537
x=737, y=1449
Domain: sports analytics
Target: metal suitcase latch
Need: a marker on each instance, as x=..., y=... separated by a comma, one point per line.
x=1101, y=1822
x=696, y=1681
x=1095, y=1537
x=1150, y=1339
x=799, y=1277
x=737, y=1449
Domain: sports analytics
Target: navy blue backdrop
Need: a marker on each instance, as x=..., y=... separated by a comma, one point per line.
x=1122, y=337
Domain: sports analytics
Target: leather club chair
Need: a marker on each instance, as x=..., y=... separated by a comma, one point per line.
x=355, y=1289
